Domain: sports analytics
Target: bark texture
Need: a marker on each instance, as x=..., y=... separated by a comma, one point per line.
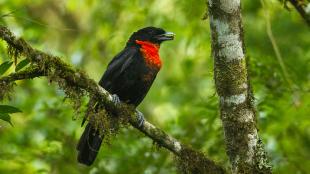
x=238, y=116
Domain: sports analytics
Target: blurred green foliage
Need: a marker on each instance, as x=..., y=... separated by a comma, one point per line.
x=182, y=100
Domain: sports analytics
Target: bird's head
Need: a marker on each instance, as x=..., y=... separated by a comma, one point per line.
x=151, y=34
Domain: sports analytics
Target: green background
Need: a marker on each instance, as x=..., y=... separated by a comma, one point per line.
x=182, y=100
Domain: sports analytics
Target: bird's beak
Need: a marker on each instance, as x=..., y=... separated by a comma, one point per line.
x=165, y=36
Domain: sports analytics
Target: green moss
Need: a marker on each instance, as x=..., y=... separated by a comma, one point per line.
x=16, y=48
x=206, y=14
x=6, y=89
x=261, y=159
x=106, y=117
x=250, y=98
x=230, y=76
x=192, y=161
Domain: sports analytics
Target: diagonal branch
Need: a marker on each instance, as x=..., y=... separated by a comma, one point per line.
x=300, y=7
x=44, y=64
x=147, y=128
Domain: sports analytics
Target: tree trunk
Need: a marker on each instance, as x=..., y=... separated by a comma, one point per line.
x=238, y=115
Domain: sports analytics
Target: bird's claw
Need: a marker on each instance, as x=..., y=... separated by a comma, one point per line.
x=115, y=99
x=140, y=118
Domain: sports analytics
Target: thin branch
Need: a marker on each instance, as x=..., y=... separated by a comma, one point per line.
x=196, y=161
x=275, y=45
x=300, y=7
x=22, y=75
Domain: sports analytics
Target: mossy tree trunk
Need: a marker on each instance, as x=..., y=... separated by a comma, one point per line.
x=238, y=115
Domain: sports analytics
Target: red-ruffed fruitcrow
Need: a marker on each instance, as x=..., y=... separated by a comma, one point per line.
x=128, y=77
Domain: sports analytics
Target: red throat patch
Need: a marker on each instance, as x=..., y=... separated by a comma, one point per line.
x=150, y=53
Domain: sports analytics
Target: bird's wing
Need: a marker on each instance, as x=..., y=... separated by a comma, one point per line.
x=114, y=74
x=117, y=67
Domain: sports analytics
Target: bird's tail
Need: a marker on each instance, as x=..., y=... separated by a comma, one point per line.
x=89, y=145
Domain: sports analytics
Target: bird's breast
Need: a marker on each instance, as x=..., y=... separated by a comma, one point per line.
x=150, y=54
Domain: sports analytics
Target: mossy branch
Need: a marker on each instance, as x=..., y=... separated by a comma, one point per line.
x=76, y=83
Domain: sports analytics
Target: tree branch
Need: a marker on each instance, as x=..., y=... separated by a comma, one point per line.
x=300, y=7
x=190, y=160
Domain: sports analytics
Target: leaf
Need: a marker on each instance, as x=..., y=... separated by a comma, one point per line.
x=5, y=66
x=6, y=109
x=6, y=117
x=21, y=64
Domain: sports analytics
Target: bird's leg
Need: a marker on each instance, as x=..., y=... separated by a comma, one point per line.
x=115, y=99
x=140, y=118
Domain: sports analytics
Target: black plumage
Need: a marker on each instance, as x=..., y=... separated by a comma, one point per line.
x=129, y=75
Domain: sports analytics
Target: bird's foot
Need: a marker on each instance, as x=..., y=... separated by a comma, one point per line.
x=115, y=99
x=140, y=118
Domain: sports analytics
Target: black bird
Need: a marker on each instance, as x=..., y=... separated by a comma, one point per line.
x=128, y=77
